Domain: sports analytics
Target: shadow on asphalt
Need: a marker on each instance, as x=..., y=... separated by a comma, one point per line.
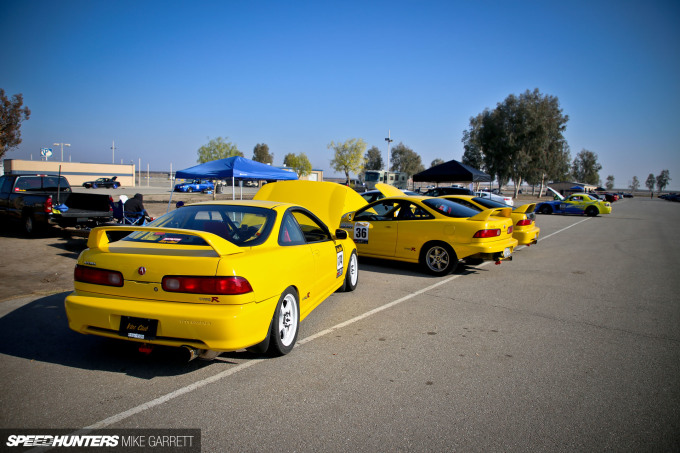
x=409, y=269
x=39, y=331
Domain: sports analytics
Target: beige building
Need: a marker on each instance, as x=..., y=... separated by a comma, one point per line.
x=566, y=188
x=75, y=172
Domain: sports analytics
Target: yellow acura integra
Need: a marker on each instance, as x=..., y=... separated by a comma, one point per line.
x=434, y=232
x=217, y=276
x=523, y=217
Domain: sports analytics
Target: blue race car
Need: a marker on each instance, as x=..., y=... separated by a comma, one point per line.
x=577, y=203
x=197, y=185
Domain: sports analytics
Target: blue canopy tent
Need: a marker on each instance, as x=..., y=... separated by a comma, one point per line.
x=234, y=168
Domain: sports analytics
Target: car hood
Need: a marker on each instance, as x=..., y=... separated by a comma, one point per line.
x=560, y=197
x=327, y=200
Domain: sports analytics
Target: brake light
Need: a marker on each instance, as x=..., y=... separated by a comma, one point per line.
x=110, y=203
x=525, y=222
x=481, y=234
x=48, y=204
x=206, y=285
x=96, y=276
x=510, y=229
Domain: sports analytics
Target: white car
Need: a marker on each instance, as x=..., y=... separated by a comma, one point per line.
x=494, y=197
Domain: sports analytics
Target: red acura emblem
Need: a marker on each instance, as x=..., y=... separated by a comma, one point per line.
x=141, y=270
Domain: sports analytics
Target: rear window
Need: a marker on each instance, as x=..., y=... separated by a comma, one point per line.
x=449, y=208
x=41, y=183
x=490, y=204
x=439, y=191
x=244, y=226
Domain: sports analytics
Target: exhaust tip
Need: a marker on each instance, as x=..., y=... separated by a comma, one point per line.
x=190, y=353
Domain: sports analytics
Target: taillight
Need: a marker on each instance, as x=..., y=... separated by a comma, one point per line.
x=110, y=203
x=48, y=204
x=482, y=234
x=96, y=276
x=510, y=229
x=206, y=285
x=525, y=222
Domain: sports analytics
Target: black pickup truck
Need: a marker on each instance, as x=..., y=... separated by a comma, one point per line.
x=41, y=200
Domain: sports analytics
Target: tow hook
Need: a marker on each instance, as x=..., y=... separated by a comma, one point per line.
x=146, y=348
x=498, y=263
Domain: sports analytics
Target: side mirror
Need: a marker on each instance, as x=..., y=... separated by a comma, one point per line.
x=349, y=216
x=340, y=234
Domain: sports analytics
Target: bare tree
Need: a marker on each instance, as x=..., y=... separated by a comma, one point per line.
x=11, y=116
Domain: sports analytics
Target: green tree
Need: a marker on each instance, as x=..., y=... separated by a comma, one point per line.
x=11, y=116
x=348, y=156
x=662, y=180
x=521, y=139
x=651, y=180
x=217, y=148
x=585, y=168
x=436, y=162
x=635, y=184
x=610, y=182
x=406, y=160
x=374, y=160
x=261, y=154
x=473, y=142
x=299, y=163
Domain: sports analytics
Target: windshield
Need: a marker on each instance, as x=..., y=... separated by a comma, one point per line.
x=244, y=226
x=372, y=176
x=449, y=208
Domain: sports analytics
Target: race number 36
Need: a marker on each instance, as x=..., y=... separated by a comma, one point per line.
x=361, y=232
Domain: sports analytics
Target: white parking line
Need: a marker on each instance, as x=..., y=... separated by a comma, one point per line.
x=202, y=383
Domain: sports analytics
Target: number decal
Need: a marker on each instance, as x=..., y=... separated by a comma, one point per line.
x=341, y=260
x=361, y=232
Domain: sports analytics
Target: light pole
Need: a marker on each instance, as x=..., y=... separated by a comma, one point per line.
x=388, y=140
x=62, y=148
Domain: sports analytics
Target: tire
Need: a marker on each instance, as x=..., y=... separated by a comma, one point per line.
x=352, y=274
x=438, y=258
x=285, y=325
x=189, y=189
x=546, y=209
x=592, y=211
x=29, y=225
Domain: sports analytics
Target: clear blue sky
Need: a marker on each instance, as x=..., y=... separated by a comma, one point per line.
x=162, y=78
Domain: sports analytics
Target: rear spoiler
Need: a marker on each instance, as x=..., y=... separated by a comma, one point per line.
x=99, y=240
x=497, y=212
x=530, y=207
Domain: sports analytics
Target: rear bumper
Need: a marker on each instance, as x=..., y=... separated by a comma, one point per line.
x=497, y=250
x=202, y=326
x=527, y=237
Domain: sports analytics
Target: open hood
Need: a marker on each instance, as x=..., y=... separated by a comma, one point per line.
x=389, y=191
x=327, y=200
x=559, y=197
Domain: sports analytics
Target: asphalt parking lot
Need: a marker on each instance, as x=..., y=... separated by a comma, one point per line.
x=572, y=346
